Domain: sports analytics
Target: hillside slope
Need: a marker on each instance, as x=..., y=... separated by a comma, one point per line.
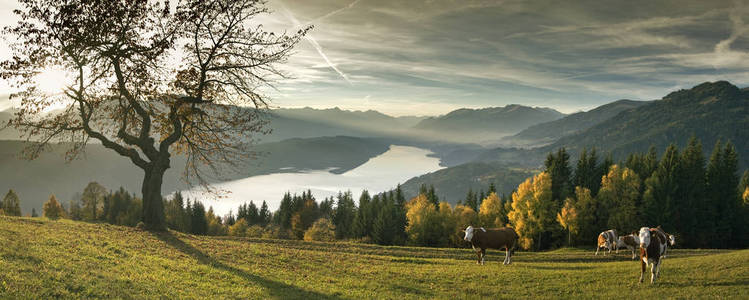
x=43, y=259
x=549, y=132
x=709, y=111
x=486, y=124
x=452, y=184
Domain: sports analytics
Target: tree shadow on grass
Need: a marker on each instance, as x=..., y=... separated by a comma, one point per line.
x=274, y=289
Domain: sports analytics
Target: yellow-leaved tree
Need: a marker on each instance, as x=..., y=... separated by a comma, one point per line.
x=533, y=210
x=52, y=208
x=490, y=212
x=424, y=226
x=568, y=218
x=618, y=195
x=464, y=216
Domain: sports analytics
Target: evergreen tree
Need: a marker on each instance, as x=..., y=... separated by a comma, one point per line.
x=432, y=196
x=588, y=220
x=400, y=199
x=33, y=213
x=285, y=211
x=343, y=217
x=601, y=171
x=199, y=224
x=305, y=217
x=176, y=214
x=471, y=201
x=492, y=188
x=659, y=199
x=585, y=172
x=253, y=216
x=11, y=205
x=264, y=214
x=364, y=217
x=721, y=183
x=559, y=169
x=690, y=194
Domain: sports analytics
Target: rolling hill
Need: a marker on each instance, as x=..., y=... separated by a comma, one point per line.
x=35, y=180
x=709, y=111
x=452, y=184
x=549, y=132
x=486, y=124
x=44, y=259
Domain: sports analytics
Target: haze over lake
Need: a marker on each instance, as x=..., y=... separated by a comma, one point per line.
x=378, y=174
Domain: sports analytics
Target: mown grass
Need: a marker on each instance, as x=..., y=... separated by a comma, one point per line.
x=46, y=259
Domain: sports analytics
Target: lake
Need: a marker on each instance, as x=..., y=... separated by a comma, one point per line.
x=378, y=174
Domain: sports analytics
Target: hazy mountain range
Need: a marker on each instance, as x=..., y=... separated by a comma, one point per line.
x=486, y=124
x=708, y=111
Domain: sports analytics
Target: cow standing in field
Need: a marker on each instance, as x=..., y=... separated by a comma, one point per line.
x=607, y=239
x=631, y=242
x=494, y=238
x=664, y=236
x=652, y=247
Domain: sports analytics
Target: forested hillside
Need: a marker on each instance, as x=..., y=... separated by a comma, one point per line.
x=549, y=132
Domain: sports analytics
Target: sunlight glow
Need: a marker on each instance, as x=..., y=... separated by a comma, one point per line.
x=52, y=81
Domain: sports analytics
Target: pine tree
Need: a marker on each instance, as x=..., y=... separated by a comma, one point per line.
x=659, y=198
x=198, y=222
x=471, y=200
x=690, y=195
x=33, y=213
x=558, y=168
x=432, y=196
x=343, y=217
x=52, y=209
x=253, y=216
x=264, y=214
x=11, y=205
x=721, y=185
x=585, y=172
x=364, y=217
x=285, y=211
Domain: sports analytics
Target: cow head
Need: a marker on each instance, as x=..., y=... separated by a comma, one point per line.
x=644, y=236
x=469, y=234
x=671, y=239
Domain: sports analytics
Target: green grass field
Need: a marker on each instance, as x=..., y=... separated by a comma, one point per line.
x=46, y=259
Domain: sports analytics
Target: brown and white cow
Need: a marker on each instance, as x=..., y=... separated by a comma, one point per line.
x=631, y=242
x=652, y=247
x=494, y=238
x=607, y=239
x=666, y=237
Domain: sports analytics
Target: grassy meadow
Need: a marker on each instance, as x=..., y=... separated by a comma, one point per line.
x=40, y=258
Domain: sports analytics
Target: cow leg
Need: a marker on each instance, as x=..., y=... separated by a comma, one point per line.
x=507, y=256
x=478, y=253
x=658, y=269
x=652, y=272
x=483, y=255
x=642, y=268
x=633, y=254
x=597, y=248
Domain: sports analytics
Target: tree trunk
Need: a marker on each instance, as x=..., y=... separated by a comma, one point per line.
x=153, y=204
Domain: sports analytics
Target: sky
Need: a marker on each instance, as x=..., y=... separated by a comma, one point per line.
x=428, y=57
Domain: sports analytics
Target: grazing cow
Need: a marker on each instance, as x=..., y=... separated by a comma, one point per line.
x=652, y=246
x=666, y=237
x=494, y=238
x=631, y=242
x=607, y=239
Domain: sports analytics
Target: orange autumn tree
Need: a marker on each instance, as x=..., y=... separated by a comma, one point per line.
x=148, y=80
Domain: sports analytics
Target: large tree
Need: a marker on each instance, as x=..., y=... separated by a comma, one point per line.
x=149, y=80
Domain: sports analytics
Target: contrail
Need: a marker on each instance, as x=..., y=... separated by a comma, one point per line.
x=332, y=13
x=312, y=40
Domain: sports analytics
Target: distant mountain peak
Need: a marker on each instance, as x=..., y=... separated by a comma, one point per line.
x=706, y=92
